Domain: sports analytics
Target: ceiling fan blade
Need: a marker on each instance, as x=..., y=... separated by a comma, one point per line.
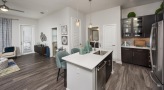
x=16, y=10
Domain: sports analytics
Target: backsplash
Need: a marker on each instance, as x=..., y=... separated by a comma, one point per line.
x=131, y=40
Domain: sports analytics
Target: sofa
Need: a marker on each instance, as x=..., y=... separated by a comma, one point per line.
x=9, y=52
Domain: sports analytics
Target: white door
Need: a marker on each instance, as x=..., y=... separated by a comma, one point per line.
x=109, y=39
x=27, y=38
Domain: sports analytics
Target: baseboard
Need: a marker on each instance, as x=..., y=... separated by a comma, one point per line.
x=67, y=89
x=119, y=62
x=19, y=55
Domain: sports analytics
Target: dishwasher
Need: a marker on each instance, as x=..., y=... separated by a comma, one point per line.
x=101, y=76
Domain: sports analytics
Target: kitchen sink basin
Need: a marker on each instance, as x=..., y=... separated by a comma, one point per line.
x=100, y=52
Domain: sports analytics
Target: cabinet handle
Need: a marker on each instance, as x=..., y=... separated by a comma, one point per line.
x=133, y=53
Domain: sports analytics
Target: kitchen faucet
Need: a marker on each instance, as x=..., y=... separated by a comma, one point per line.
x=94, y=46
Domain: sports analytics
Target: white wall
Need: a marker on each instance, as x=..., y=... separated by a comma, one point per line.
x=105, y=17
x=143, y=10
x=16, y=39
x=81, y=16
x=57, y=19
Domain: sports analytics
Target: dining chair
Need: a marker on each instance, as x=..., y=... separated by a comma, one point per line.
x=61, y=64
x=75, y=50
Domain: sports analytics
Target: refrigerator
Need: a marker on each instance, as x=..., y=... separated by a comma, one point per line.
x=156, y=54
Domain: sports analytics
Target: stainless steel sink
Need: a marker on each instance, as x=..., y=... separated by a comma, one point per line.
x=100, y=52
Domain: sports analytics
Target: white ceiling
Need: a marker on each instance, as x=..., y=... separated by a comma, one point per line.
x=33, y=8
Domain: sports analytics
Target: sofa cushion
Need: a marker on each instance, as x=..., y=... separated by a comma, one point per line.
x=8, y=54
x=9, y=49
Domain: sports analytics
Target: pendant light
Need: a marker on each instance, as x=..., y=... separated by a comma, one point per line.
x=77, y=20
x=90, y=24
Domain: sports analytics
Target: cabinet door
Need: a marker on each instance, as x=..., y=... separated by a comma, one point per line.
x=159, y=17
x=108, y=59
x=147, y=24
x=137, y=27
x=141, y=57
x=127, y=55
x=127, y=28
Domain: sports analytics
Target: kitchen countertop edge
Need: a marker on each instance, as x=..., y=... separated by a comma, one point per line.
x=148, y=48
x=91, y=67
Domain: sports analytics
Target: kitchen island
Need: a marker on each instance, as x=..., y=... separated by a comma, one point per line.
x=90, y=71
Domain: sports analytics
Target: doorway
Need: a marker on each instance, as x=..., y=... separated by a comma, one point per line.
x=54, y=41
x=26, y=39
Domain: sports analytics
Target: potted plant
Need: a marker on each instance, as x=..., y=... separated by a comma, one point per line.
x=131, y=14
x=159, y=9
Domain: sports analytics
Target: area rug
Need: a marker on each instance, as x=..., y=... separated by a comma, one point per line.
x=12, y=67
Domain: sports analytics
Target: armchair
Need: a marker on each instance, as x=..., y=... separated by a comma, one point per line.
x=9, y=52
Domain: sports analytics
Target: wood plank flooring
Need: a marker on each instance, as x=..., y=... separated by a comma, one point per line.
x=39, y=73
x=130, y=77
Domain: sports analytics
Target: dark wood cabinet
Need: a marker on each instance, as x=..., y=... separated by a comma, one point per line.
x=108, y=59
x=127, y=55
x=141, y=57
x=127, y=27
x=147, y=24
x=136, y=56
x=40, y=49
x=139, y=27
x=159, y=17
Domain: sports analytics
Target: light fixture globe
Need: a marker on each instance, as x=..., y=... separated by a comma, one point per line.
x=77, y=22
x=4, y=8
x=90, y=25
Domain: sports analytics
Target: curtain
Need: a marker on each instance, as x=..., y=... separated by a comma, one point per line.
x=5, y=33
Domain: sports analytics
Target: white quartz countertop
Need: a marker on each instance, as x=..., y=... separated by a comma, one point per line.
x=89, y=61
x=136, y=47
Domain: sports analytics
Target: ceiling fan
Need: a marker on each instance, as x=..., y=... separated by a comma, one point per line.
x=6, y=8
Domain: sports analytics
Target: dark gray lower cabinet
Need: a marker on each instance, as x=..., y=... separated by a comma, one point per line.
x=108, y=59
x=127, y=55
x=136, y=56
x=141, y=57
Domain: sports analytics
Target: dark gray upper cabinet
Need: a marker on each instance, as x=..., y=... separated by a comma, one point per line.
x=159, y=17
x=137, y=27
x=127, y=28
x=147, y=24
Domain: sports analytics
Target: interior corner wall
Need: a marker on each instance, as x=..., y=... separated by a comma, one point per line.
x=143, y=10
x=105, y=17
x=45, y=25
x=57, y=19
x=16, y=39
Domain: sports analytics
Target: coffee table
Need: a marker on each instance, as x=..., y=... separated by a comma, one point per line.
x=3, y=63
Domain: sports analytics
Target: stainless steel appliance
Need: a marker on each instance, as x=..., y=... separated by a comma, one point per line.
x=101, y=76
x=156, y=54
